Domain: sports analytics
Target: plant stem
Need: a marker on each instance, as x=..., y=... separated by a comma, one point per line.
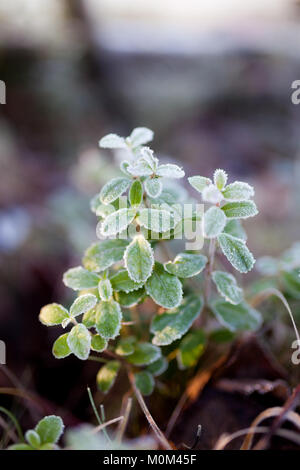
x=209, y=269
x=159, y=434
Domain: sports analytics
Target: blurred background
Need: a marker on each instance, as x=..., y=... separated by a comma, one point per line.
x=212, y=79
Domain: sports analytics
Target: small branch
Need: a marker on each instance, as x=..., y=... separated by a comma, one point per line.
x=159, y=434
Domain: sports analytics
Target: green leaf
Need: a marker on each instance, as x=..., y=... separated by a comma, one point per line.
x=50, y=429
x=125, y=346
x=239, y=317
x=240, y=210
x=117, y=222
x=20, y=446
x=238, y=191
x=153, y=187
x=114, y=189
x=100, y=209
x=199, y=182
x=33, y=438
x=171, y=326
x=186, y=265
x=60, y=347
x=156, y=220
x=170, y=171
x=53, y=314
x=144, y=166
x=121, y=281
x=236, y=252
x=112, y=141
x=164, y=288
x=214, y=222
x=221, y=335
x=79, y=278
x=82, y=304
x=123, y=167
x=136, y=193
x=191, y=349
x=139, y=260
x=107, y=375
x=108, y=319
x=79, y=341
x=227, y=287
x=144, y=382
x=291, y=283
x=144, y=354
x=220, y=179
x=100, y=256
x=158, y=367
x=234, y=228
x=89, y=318
x=105, y=289
x=130, y=299
x=141, y=136
x=98, y=343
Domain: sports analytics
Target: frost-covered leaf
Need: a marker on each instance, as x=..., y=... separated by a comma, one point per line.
x=60, y=347
x=147, y=156
x=141, y=136
x=139, y=259
x=291, y=257
x=240, y=210
x=33, y=438
x=113, y=189
x=121, y=281
x=199, y=182
x=214, y=222
x=112, y=141
x=228, y=287
x=239, y=317
x=130, y=299
x=238, y=191
x=164, y=288
x=291, y=282
x=105, y=289
x=168, y=327
x=191, y=349
x=98, y=343
x=50, y=429
x=158, y=367
x=89, y=318
x=53, y=314
x=117, y=222
x=156, y=220
x=144, y=382
x=186, y=265
x=104, y=254
x=108, y=319
x=169, y=170
x=79, y=341
x=123, y=167
x=220, y=179
x=136, y=193
x=236, y=252
x=153, y=187
x=234, y=228
x=125, y=346
x=267, y=266
x=212, y=194
x=79, y=278
x=82, y=304
x=144, y=354
x=107, y=375
x=100, y=209
x=143, y=166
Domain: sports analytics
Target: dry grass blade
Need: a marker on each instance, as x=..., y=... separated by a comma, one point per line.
x=107, y=423
x=269, y=413
x=124, y=422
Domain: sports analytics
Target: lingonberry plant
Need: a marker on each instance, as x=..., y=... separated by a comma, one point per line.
x=141, y=214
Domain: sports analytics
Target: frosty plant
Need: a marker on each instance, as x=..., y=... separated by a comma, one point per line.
x=133, y=263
